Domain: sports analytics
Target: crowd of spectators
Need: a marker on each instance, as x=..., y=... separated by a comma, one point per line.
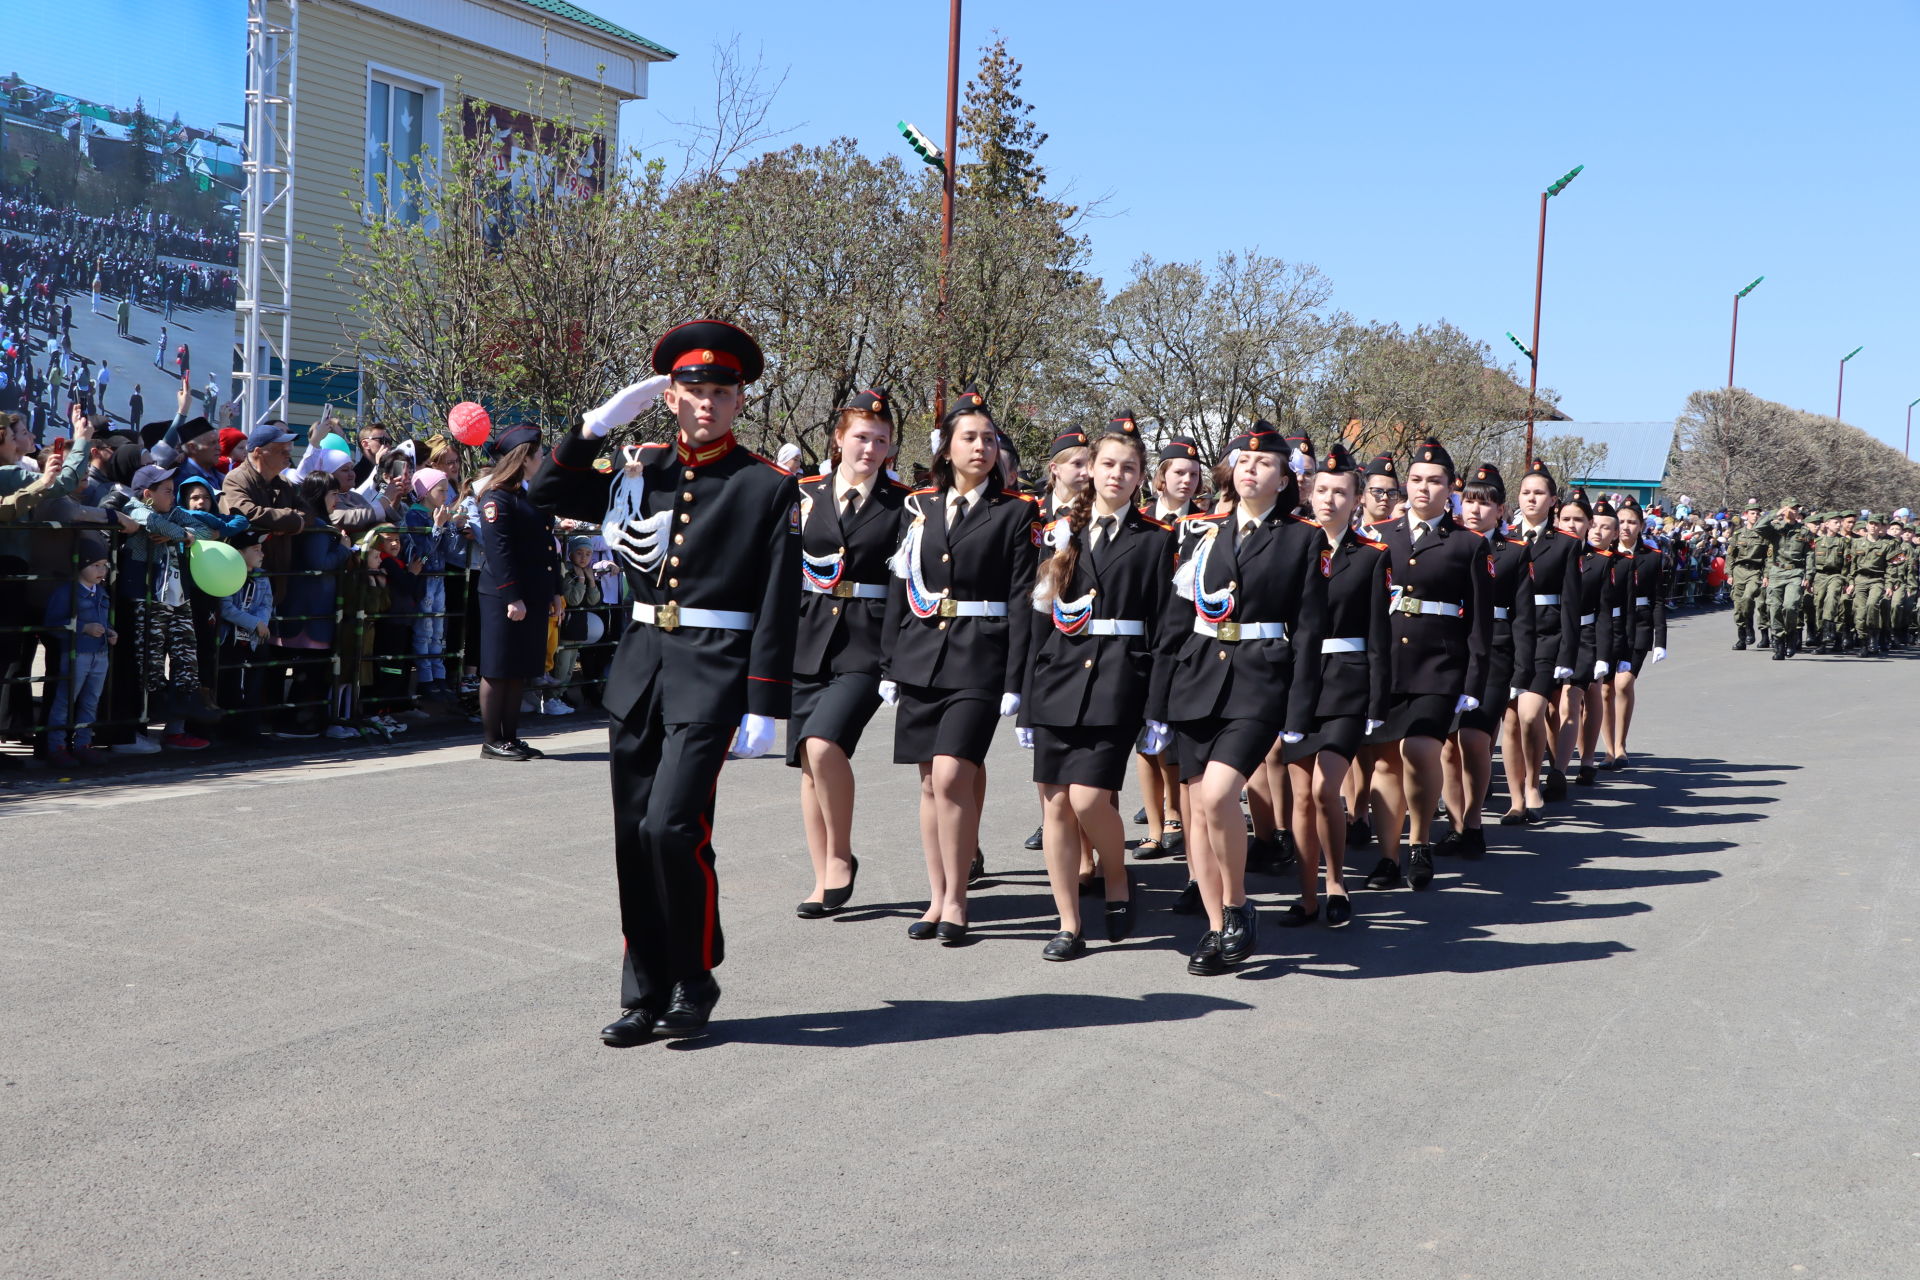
x=354, y=619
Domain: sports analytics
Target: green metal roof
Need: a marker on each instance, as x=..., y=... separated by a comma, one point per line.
x=574, y=13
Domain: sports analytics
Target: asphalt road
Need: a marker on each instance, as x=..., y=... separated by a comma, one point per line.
x=339, y=1020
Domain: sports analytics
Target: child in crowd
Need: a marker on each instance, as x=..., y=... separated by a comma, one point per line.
x=376, y=654
x=582, y=591
x=153, y=580
x=247, y=616
x=78, y=613
x=434, y=539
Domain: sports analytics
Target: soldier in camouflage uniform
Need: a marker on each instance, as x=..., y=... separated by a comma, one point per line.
x=1872, y=557
x=1903, y=567
x=1830, y=550
x=1747, y=551
x=1789, y=573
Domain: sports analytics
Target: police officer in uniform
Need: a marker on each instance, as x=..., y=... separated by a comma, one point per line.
x=519, y=591
x=707, y=534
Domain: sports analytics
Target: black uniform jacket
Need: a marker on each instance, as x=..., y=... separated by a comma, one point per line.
x=518, y=557
x=733, y=547
x=1510, y=658
x=842, y=633
x=1556, y=629
x=1451, y=565
x=1649, y=584
x=990, y=558
x=1622, y=611
x=1275, y=575
x=1596, y=595
x=1356, y=684
x=1088, y=679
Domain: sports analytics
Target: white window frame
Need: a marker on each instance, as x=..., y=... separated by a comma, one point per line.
x=433, y=100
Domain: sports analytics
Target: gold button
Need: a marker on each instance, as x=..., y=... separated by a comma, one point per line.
x=674, y=561
x=678, y=538
x=684, y=517
x=687, y=496
x=836, y=611
x=1087, y=663
x=1090, y=595
x=1223, y=655
x=1412, y=560
x=1403, y=639
x=944, y=558
x=673, y=582
x=943, y=626
x=688, y=473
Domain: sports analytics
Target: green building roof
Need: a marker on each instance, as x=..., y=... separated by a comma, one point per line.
x=574, y=13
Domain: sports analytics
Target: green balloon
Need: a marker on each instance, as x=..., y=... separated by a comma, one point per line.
x=218, y=569
x=333, y=441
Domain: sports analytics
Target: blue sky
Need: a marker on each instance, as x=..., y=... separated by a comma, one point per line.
x=1402, y=148
x=185, y=56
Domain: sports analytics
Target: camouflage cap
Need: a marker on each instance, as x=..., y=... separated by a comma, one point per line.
x=1753, y=504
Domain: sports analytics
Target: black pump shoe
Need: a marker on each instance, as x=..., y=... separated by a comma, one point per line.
x=834, y=899
x=1339, y=911
x=1385, y=875
x=811, y=910
x=979, y=867
x=922, y=930
x=1296, y=916
x=950, y=933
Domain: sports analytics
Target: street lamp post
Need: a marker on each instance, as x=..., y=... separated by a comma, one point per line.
x=1539, y=279
x=1908, y=447
x=1840, y=396
x=944, y=161
x=1733, y=343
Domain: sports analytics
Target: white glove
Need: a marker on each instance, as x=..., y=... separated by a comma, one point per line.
x=1512, y=691
x=1374, y=725
x=627, y=404
x=754, y=737
x=1158, y=735
x=1289, y=737
x=1659, y=655
x=1009, y=703
x=1599, y=671
x=1024, y=737
x=889, y=692
x=1563, y=673
x=1465, y=704
x=643, y=542
x=1623, y=666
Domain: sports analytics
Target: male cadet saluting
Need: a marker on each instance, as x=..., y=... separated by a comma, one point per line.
x=707, y=534
x=1746, y=565
x=1789, y=576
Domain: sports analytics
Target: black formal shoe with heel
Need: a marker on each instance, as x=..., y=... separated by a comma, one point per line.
x=811, y=910
x=834, y=899
x=1297, y=916
x=528, y=750
x=1205, y=962
x=1587, y=776
x=979, y=867
x=1188, y=903
x=1514, y=818
x=1064, y=946
x=1419, y=866
x=1119, y=921
x=1385, y=875
x=502, y=751
x=1359, y=833
x=1339, y=911
x=1241, y=932
x=950, y=933
x=633, y=1026
x=689, y=1008
x=922, y=930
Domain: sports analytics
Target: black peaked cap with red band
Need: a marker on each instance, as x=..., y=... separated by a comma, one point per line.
x=708, y=351
x=1122, y=423
x=1072, y=439
x=876, y=400
x=1261, y=439
x=1179, y=447
x=1382, y=465
x=1338, y=462
x=512, y=438
x=1431, y=450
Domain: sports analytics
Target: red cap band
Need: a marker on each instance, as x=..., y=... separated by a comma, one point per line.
x=707, y=355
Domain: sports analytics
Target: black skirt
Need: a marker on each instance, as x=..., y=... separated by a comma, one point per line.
x=1416, y=715
x=1543, y=684
x=512, y=650
x=1339, y=734
x=1487, y=716
x=1085, y=755
x=1242, y=745
x=835, y=707
x=931, y=722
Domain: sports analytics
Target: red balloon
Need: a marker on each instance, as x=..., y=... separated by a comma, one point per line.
x=470, y=423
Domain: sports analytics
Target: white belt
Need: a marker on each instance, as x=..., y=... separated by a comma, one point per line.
x=1499, y=614
x=1236, y=631
x=1641, y=602
x=1587, y=619
x=1539, y=599
x=1344, y=644
x=671, y=617
x=1438, y=608
x=1616, y=611
x=850, y=590
x=972, y=608
x=1115, y=627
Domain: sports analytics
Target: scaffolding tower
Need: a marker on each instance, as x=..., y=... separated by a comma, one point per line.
x=265, y=303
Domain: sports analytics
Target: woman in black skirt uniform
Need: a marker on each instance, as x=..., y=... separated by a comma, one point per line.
x=1096, y=674
x=1469, y=753
x=1249, y=598
x=1354, y=680
x=519, y=591
x=849, y=526
x=1552, y=556
x=1592, y=613
x=1176, y=483
x=958, y=612
x=1441, y=615
x=1644, y=633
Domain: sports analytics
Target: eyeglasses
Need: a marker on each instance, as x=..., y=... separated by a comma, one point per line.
x=1381, y=493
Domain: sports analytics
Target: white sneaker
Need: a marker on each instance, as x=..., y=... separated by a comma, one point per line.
x=389, y=724
x=555, y=707
x=141, y=745
x=340, y=732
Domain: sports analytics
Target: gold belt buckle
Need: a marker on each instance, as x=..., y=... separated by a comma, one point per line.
x=843, y=590
x=1409, y=605
x=667, y=616
x=949, y=608
x=1229, y=631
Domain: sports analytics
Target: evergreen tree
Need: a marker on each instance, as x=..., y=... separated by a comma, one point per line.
x=139, y=172
x=996, y=124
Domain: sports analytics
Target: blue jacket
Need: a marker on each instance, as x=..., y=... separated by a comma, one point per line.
x=63, y=613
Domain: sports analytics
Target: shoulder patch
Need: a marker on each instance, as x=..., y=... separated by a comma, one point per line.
x=769, y=461
x=1326, y=562
x=490, y=510
x=1024, y=497
x=1311, y=524
x=917, y=492
x=1200, y=515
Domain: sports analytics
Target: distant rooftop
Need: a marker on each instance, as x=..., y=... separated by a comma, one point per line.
x=574, y=13
x=1636, y=451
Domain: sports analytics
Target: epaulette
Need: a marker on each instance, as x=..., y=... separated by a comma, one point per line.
x=914, y=493
x=1369, y=542
x=1147, y=519
x=1313, y=524
x=769, y=461
x=1024, y=497
x=1202, y=515
x=898, y=484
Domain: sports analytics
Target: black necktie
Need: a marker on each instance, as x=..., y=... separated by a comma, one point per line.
x=853, y=501
x=1531, y=535
x=1103, y=534
x=959, y=514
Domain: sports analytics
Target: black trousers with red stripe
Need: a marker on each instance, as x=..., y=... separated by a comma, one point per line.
x=664, y=777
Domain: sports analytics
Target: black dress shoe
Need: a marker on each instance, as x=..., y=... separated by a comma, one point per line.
x=1534, y=817
x=633, y=1026
x=1386, y=875
x=1473, y=843
x=1617, y=765
x=502, y=751
x=1119, y=921
x=1149, y=849
x=689, y=1008
x=812, y=910
x=1556, y=785
x=834, y=899
x=1419, y=865
x=979, y=867
x=1205, y=962
x=1296, y=916
x=1241, y=932
x=529, y=751
x=1035, y=841
x=1140, y=818
x=1513, y=818
x=1587, y=776
x=1188, y=903
x=951, y=933
x=1339, y=911
x=921, y=930
x=1289, y=849
x=1448, y=845
x=1359, y=833
x=1174, y=842
x=1064, y=946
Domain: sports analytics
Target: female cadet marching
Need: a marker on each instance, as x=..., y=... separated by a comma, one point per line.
x=1176, y=483
x=705, y=530
x=1552, y=556
x=1252, y=597
x=958, y=613
x=1355, y=674
x=1441, y=618
x=1469, y=753
x=849, y=526
x=1590, y=610
x=1645, y=634
x=1095, y=675
x=519, y=591
x=1068, y=478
